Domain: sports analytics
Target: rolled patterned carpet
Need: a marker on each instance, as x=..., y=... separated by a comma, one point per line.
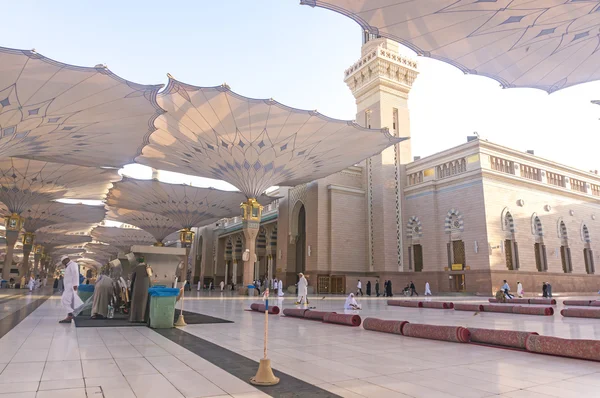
x=512, y=301
x=294, y=312
x=533, y=310
x=273, y=309
x=438, y=304
x=542, y=301
x=457, y=334
x=381, y=325
x=468, y=307
x=342, y=319
x=505, y=338
x=581, y=303
x=316, y=315
x=581, y=312
x=508, y=309
x=581, y=349
x=405, y=303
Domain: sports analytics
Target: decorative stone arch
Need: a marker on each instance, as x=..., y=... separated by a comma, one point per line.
x=536, y=226
x=294, y=220
x=273, y=241
x=561, y=230
x=238, y=248
x=585, y=234
x=414, y=229
x=454, y=222
x=229, y=249
x=261, y=242
x=507, y=221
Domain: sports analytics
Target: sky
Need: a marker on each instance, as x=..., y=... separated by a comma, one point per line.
x=297, y=55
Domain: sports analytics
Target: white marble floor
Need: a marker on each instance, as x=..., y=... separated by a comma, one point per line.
x=40, y=358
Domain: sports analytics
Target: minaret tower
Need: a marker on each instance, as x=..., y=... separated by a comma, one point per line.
x=381, y=81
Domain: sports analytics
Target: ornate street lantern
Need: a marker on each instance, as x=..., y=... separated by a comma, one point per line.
x=13, y=222
x=186, y=237
x=28, y=238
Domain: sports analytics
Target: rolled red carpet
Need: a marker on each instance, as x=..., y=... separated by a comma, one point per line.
x=273, y=309
x=533, y=310
x=581, y=312
x=468, y=307
x=381, y=325
x=595, y=303
x=342, y=319
x=438, y=304
x=581, y=349
x=294, y=312
x=511, y=301
x=505, y=338
x=508, y=309
x=581, y=303
x=542, y=301
x=405, y=303
x=316, y=315
x=457, y=334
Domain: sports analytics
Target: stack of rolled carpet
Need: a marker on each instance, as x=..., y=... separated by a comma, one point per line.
x=259, y=307
x=326, y=317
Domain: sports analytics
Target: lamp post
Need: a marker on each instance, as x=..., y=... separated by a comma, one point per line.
x=186, y=237
x=251, y=216
x=13, y=224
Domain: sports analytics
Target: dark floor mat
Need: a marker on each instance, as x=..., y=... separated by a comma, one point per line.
x=121, y=320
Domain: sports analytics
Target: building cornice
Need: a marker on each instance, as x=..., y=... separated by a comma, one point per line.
x=349, y=190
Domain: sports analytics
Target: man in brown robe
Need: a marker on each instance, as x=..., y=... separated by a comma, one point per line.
x=140, y=282
x=103, y=294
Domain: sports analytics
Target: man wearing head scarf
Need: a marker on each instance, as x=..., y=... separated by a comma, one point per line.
x=351, y=303
x=69, y=299
x=302, y=289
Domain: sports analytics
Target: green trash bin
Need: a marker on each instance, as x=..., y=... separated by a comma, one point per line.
x=85, y=292
x=162, y=307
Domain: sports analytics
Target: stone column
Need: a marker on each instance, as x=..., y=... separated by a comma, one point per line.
x=36, y=261
x=11, y=239
x=25, y=269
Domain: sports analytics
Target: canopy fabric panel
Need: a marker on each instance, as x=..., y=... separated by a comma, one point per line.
x=24, y=183
x=122, y=238
x=158, y=226
x=42, y=215
x=99, y=248
x=50, y=239
x=543, y=44
x=58, y=112
x=185, y=205
x=252, y=143
x=67, y=228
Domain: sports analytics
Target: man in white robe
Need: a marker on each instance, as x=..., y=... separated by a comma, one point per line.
x=427, y=289
x=222, y=284
x=70, y=300
x=302, y=290
x=280, y=288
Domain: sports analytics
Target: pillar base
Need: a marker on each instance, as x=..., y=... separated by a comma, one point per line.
x=264, y=376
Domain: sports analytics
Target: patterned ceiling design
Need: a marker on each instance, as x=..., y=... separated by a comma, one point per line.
x=158, y=226
x=122, y=238
x=544, y=44
x=24, y=183
x=50, y=239
x=57, y=112
x=183, y=204
x=99, y=248
x=69, y=228
x=252, y=143
x=42, y=215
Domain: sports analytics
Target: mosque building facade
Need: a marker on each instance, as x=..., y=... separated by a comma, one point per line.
x=464, y=219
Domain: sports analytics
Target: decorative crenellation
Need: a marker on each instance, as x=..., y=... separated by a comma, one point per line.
x=451, y=168
x=502, y=165
x=415, y=178
x=381, y=63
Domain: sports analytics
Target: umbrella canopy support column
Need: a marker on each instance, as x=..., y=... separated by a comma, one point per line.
x=14, y=223
x=252, y=211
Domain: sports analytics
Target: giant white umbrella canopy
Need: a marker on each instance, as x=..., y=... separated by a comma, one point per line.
x=543, y=44
x=64, y=113
x=184, y=205
x=252, y=144
x=158, y=226
x=42, y=215
x=122, y=238
x=50, y=239
x=26, y=182
x=69, y=228
x=102, y=249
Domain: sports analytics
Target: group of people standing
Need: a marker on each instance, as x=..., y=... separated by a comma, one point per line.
x=546, y=290
x=387, y=288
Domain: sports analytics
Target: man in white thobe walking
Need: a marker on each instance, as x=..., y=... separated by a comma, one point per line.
x=302, y=290
x=69, y=299
x=280, y=288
